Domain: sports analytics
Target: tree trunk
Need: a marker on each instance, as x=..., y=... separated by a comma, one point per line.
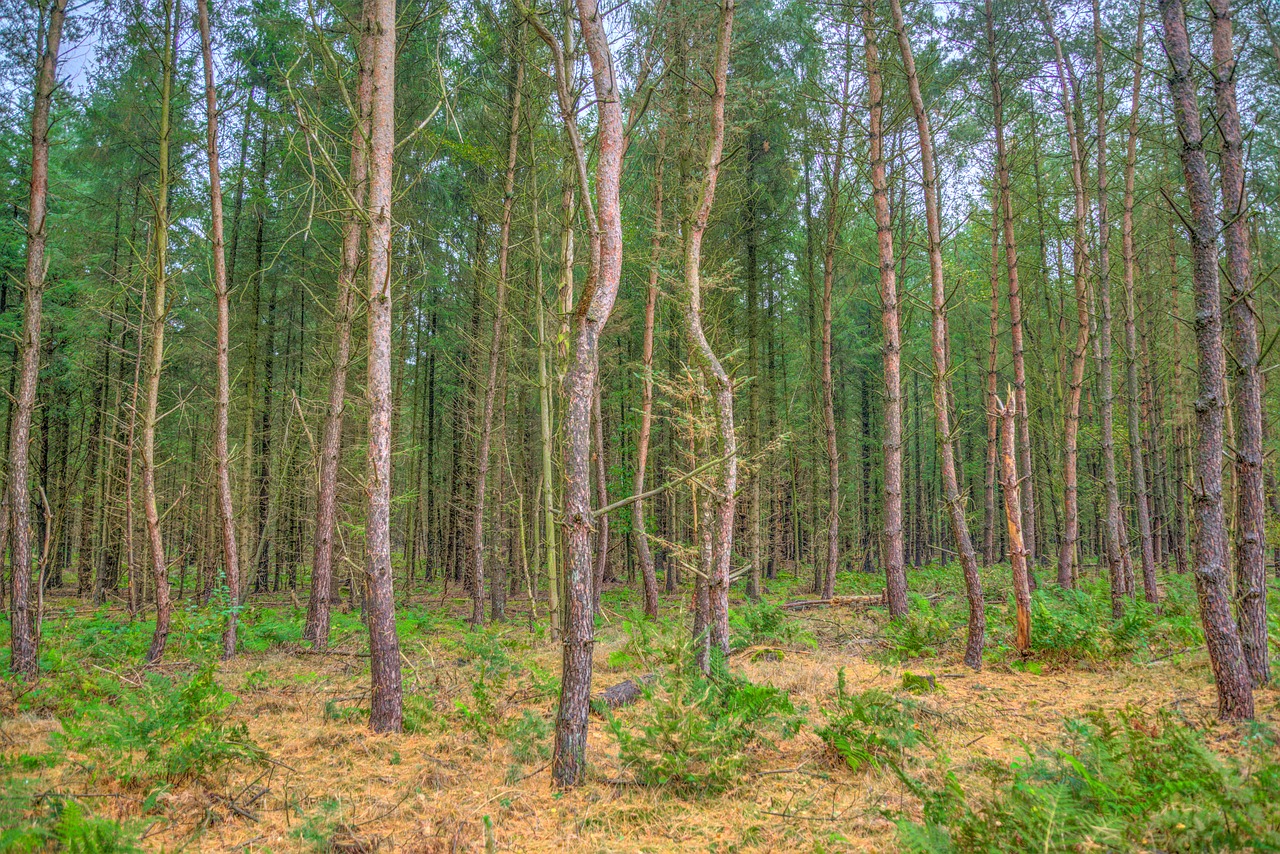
x=1226, y=654
x=222, y=402
x=895, y=575
x=23, y=660
x=1251, y=542
x=317, y=625
x=993, y=417
x=941, y=369
x=159, y=319
x=1013, y=514
x=386, y=705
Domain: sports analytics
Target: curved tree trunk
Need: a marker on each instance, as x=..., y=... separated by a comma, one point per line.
x=941, y=391
x=647, y=571
x=23, y=659
x=1226, y=654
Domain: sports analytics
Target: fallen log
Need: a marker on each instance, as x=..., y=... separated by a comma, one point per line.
x=865, y=601
x=622, y=694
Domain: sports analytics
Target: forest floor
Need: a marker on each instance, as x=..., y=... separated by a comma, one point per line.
x=1065, y=750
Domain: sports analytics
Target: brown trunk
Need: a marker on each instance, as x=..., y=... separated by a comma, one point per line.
x=226, y=513
x=946, y=444
x=1067, y=558
x=601, y=565
x=1251, y=537
x=1111, y=517
x=386, y=706
x=23, y=659
x=1013, y=514
x=600, y=291
x=894, y=562
x=495, y=352
x=317, y=625
x=155, y=361
x=1136, y=461
x=993, y=418
x=1226, y=654
x=647, y=572
x=717, y=378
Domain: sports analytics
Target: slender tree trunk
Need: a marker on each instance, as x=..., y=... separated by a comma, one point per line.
x=1251, y=536
x=386, y=705
x=941, y=369
x=1111, y=518
x=1222, y=638
x=495, y=350
x=23, y=659
x=600, y=291
x=717, y=378
x=317, y=625
x=601, y=565
x=1067, y=557
x=159, y=319
x=222, y=402
x=754, y=151
x=993, y=416
x=638, y=526
x=895, y=575
x=1136, y=461
x=1013, y=514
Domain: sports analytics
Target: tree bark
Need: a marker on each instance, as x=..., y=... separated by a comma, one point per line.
x=386, y=704
x=894, y=560
x=1222, y=638
x=993, y=417
x=317, y=625
x=1013, y=514
x=222, y=401
x=1251, y=536
x=159, y=319
x=23, y=659
x=941, y=369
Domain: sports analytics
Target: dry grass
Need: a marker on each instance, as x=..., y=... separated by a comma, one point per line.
x=330, y=783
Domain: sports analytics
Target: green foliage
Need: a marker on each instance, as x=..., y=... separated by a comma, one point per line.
x=922, y=633
x=1076, y=624
x=1132, y=783
x=693, y=735
x=165, y=732
x=650, y=643
x=764, y=622
x=918, y=684
x=872, y=728
x=53, y=823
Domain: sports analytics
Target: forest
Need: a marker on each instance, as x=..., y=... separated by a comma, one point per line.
x=539, y=425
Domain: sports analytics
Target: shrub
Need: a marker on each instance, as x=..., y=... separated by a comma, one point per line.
x=693, y=735
x=921, y=633
x=764, y=622
x=872, y=728
x=43, y=823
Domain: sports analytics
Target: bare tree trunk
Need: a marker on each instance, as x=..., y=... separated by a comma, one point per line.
x=941, y=392
x=24, y=660
x=894, y=561
x=1067, y=558
x=1013, y=514
x=495, y=350
x=640, y=532
x=1251, y=543
x=159, y=319
x=1222, y=638
x=599, y=293
x=1136, y=461
x=993, y=417
x=386, y=704
x=717, y=378
x=601, y=564
x=1111, y=518
x=316, y=629
x=222, y=402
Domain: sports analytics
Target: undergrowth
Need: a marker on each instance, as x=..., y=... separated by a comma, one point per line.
x=873, y=728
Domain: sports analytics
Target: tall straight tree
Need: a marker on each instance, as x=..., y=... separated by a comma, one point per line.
x=222, y=399
x=159, y=319
x=1222, y=638
x=941, y=360
x=386, y=703
x=894, y=562
x=1067, y=557
x=23, y=656
x=1251, y=508
x=713, y=371
x=495, y=343
x=1137, y=462
x=316, y=629
x=1110, y=483
x=600, y=291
